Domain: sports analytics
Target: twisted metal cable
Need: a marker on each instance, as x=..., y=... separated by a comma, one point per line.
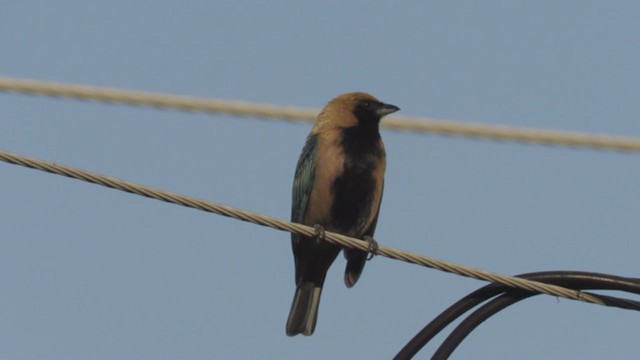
x=283, y=225
x=238, y=108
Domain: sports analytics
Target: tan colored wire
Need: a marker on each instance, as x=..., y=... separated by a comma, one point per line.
x=295, y=228
x=237, y=108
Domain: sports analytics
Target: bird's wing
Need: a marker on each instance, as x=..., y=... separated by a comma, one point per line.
x=303, y=181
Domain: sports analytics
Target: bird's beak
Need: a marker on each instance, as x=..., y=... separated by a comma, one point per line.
x=386, y=109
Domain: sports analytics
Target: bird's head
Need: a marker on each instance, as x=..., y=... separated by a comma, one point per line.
x=355, y=109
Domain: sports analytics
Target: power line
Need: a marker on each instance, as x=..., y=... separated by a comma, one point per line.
x=263, y=220
x=238, y=108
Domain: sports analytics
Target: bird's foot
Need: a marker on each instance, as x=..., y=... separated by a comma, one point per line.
x=319, y=230
x=372, y=249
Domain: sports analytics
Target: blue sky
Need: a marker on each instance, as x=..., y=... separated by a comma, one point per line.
x=92, y=273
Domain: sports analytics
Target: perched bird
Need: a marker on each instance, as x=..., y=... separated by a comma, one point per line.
x=338, y=187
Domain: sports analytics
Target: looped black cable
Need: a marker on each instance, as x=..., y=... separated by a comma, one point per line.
x=576, y=280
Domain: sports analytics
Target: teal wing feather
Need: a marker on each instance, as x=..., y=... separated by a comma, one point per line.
x=303, y=181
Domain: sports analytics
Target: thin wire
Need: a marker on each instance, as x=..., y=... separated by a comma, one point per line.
x=263, y=220
x=238, y=108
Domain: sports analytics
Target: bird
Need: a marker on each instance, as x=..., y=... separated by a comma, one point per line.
x=338, y=186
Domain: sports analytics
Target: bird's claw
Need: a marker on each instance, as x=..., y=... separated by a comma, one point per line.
x=373, y=247
x=319, y=232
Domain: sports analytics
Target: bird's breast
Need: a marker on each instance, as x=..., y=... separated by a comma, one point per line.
x=357, y=189
x=356, y=194
x=348, y=182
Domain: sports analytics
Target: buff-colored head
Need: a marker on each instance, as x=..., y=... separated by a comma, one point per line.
x=353, y=109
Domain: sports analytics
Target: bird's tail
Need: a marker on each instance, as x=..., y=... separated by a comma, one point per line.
x=304, y=309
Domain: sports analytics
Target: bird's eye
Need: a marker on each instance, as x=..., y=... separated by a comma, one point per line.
x=366, y=104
